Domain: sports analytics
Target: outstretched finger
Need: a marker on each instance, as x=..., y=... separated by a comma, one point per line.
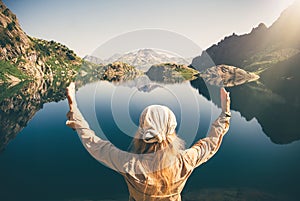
x=223, y=91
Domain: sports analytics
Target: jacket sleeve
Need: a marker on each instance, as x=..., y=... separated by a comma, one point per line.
x=205, y=148
x=101, y=150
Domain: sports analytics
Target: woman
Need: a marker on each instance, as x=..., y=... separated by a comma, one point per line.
x=158, y=166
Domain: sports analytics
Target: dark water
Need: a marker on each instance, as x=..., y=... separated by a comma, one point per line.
x=42, y=159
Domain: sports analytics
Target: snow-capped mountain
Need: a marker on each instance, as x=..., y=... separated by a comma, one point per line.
x=93, y=59
x=143, y=59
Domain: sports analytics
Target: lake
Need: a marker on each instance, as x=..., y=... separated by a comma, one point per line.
x=42, y=159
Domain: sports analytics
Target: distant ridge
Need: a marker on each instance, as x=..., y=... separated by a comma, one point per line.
x=142, y=59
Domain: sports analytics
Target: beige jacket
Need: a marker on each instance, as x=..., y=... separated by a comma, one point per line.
x=129, y=166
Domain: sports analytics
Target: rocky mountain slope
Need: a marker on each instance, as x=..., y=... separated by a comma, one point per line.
x=274, y=54
x=261, y=48
x=24, y=56
x=32, y=72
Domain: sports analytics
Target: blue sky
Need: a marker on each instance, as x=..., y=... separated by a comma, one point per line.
x=85, y=25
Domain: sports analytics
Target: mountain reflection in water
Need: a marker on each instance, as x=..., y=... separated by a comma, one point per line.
x=277, y=116
x=253, y=100
x=60, y=168
x=19, y=104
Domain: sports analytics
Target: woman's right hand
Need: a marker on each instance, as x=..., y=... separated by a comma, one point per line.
x=225, y=100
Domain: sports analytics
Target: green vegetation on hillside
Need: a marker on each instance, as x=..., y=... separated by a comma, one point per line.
x=186, y=72
x=7, y=68
x=25, y=57
x=262, y=60
x=10, y=91
x=183, y=70
x=171, y=73
x=52, y=50
x=61, y=60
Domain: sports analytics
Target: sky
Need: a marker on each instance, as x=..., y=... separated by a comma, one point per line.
x=85, y=25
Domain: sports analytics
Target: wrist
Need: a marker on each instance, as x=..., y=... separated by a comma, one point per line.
x=227, y=113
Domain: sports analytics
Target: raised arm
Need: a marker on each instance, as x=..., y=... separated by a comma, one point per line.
x=101, y=150
x=205, y=148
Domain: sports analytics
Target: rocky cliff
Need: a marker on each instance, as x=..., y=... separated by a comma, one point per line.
x=227, y=76
x=273, y=53
x=260, y=49
x=32, y=72
x=22, y=55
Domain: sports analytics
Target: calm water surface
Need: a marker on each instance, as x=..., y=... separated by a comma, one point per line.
x=46, y=160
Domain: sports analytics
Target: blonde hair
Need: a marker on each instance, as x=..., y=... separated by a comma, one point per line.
x=159, y=169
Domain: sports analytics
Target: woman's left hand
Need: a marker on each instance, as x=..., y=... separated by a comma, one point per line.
x=70, y=92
